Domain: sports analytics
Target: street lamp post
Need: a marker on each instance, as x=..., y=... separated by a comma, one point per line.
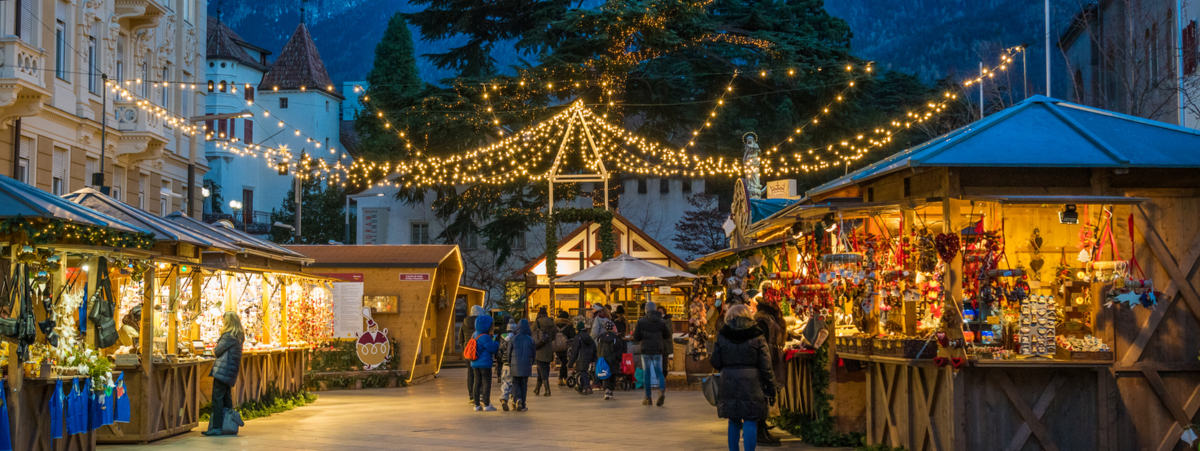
x=236, y=206
x=348, y=197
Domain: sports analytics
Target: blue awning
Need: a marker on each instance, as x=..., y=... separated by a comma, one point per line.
x=761, y=209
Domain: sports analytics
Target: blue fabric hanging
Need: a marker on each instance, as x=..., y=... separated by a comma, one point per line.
x=95, y=407
x=5, y=438
x=56, y=411
x=72, y=408
x=109, y=406
x=121, y=407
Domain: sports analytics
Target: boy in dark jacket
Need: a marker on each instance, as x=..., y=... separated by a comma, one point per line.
x=521, y=350
x=583, y=353
x=563, y=323
x=609, y=347
x=654, y=335
x=544, y=344
x=485, y=348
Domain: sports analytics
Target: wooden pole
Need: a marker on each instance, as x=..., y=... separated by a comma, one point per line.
x=16, y=373
x=284, y=337
x=172, y=309
x=266, y=308
x=910, y=308
x=147, y=332
x=196, y=302
x=952, y=280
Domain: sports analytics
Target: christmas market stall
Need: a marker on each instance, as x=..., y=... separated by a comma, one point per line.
x=161, y=371
x=1025, y=282
x=403, y=294
x=285, y=312
x=58, y=318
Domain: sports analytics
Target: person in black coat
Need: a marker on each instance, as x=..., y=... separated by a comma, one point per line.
x=543, y=338
x=654, y=336
x=610, y=346
x=747, y=379
x=567, y=329
x=582, y=354
x=225, y=370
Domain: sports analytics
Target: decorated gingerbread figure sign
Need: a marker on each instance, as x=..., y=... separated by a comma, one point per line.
x=372, y=346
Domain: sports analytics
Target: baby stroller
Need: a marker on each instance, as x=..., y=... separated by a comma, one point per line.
x=625, y=379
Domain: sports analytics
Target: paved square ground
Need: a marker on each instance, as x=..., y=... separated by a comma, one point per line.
x=435, y=414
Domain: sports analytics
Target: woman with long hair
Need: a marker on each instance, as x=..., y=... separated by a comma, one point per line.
x=225, y=370
x=747, y=379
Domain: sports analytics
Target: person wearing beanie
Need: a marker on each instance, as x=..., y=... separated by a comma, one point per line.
x=502, y=357
x=521, y=350
x=610, y=347
x=654, y=335
x=620, y=321
x=566, y=328
x=543, y=338
x=464, y=335
x=485, y=349
x=600, y=317
x=583, y=353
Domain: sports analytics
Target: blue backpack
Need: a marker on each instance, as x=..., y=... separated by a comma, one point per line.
x=602, y=370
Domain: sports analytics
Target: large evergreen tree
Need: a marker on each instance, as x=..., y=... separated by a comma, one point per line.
x=393, y=84
x=322, y=214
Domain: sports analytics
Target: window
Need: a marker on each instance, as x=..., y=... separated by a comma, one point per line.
x=687, y=186
x=248, y=133
x=248, y=205
x=519, y=241
x=121, y=59
x=326, y=106
x=145, y=80
x=420, y=233
x=163, y=199
x=185, y=101
x=664, y=186
x=119, y=180
x=249, y=94
x=472, y=242
x=58, y=173
x=188, y=6
x=24, y=161
x=142, y=192
x=91, y=166
x=210, y=86
x=163, y=93
x=641, y=186
x=25, y=29
x=60, y=49
x=1189, y=48
x=221, y=129
x=222, y=85
x=91, y=62
x=282, y=102
x=381, y=304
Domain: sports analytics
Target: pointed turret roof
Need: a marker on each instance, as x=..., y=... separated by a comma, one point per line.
x=224, y=43
x=299, y=66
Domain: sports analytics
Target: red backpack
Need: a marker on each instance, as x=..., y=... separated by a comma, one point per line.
x=469, y=351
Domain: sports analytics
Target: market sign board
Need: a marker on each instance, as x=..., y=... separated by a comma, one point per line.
x=408, y=277
x=347, y=309
x=781, y=189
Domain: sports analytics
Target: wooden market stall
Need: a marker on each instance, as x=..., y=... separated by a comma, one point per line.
x=53, y=243
x=285, y=312
x=1046, y=256
x=162, y=375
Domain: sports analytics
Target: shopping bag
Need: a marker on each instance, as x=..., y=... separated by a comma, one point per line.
x=602, y=370
x=233, y=421
x=637, y=376
x=711, y=386
x=627, y=365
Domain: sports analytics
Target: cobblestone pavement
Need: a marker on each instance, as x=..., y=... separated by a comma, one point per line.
x=435, y=414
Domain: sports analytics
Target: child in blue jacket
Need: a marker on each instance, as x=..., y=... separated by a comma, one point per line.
x=485, y=348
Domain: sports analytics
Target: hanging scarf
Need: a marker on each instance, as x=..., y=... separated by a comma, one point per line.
x=56, y=411
x=5, y=438
x=121, y=406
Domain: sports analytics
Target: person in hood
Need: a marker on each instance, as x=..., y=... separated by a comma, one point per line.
x=485, y=348
x=502, y=357
x=774, y=329
x=464, y=335
x=544, y=344
x=620, y=321
x=566, y=327
x=610, y=347
x=583, y=353
x=521, y=352
x=747, y=378
x=600, y=317
x=653, y=335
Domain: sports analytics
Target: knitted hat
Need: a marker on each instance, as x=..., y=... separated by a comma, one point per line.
x=597, y=307
x=609, y=326
x=580, y=326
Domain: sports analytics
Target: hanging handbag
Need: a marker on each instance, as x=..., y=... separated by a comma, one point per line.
x=711, y=386
x=233, y=421
x=103, y=307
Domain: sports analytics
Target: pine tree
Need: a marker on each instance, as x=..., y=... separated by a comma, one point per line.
x=699, y=232
x=393, y=85
x=322, y=215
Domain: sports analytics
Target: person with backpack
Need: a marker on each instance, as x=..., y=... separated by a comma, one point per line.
x=653, y=336
x=609, y=349
x=502, y=357
x=480, y=351
x=544, y=345
x=566, y=333
x=600, y=317
x=521, y=351
x=465, y=332
x=582, y=354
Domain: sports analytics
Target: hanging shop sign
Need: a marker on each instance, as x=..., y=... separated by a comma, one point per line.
x=372, y=347
x=781, y=189
x=423, y=277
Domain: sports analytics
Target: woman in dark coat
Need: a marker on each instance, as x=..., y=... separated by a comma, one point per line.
x=610, y=347
x=543, y=341
x=747, y=379
x=582, y=354
x=225, y=370
x=521, y=350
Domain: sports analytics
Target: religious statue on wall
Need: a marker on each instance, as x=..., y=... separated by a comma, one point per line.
x=752, y=166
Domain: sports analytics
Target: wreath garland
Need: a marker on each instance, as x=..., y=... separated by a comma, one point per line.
x=49, y=231
x=608, y=246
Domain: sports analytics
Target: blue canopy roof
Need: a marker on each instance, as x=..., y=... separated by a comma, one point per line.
x=761, y=209
x=20, y=199
x=1045, y=132
x=163, y=229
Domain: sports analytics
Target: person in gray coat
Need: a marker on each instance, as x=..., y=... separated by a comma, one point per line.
x=521, y=353
x=225, y=370
x=747, y=379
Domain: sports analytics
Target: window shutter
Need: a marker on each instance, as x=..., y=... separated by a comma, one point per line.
x=118, y=177
x=91, y=167
x=59, y=168
x=249, y=132
x=95, y=33
x=26, y=13
x=60, y=11
x=26, y=147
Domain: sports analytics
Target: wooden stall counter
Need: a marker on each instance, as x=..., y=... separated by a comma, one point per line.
x=33, y=432
x=281, y=367
x=163, y=403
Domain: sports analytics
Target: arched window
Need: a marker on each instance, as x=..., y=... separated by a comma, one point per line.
x=210, y=86
x=222, y=85
x=326, y=106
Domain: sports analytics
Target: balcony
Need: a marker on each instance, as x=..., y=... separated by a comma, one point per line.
x=22, y=82
x=136, y=15
x=142, y=136
x=259, y=224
